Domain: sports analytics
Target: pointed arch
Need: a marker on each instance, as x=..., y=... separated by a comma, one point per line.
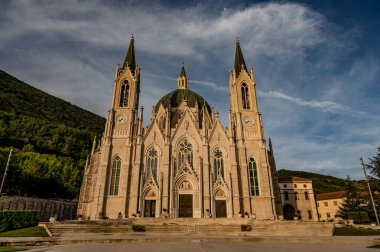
x=162, y=122
x=115, y=176
x=185, y=152
x=191, y=179
x=218, y=163
x=221, y=191
x=245, y=96
x=150, y=191
x=151, y=162
x=124, y=94
x=253, y=177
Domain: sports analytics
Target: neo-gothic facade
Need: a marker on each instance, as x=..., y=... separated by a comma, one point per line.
x=185, y=163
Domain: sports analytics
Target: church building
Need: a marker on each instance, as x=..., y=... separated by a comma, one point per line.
x=185, y=163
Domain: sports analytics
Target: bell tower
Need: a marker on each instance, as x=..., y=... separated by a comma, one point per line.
x=113, y=181
x=123, y=113
x=251, y=153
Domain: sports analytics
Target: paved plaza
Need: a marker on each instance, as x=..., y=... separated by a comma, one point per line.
x=207, y=247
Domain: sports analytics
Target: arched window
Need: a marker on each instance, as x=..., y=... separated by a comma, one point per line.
x=245, y=96
x=296, y=197
x=306, y=196
x=124, y=93
x=161, y=122
x=286, y=195
x=151, y=163
x=218, y=163
x=253, y=179
x=299, y=214
x=185, y=151
x=310, y=215
x=115, y=176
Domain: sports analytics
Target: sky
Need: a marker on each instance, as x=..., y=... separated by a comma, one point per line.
x=316, y=64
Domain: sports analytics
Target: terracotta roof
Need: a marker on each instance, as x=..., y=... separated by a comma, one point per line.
x=331, y=195
x=293, y=179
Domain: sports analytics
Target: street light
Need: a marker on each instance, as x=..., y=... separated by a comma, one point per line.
x=370, y=192
x=5, y=171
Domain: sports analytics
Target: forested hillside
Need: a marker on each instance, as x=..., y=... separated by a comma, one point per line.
x=51, y=138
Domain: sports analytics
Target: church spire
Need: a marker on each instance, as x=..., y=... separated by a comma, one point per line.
x=239, y=59
x=182, y=82
x=182, y=73
x=130, y=57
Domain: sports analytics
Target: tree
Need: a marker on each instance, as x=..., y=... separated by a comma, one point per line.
x=374, y=165
x=352, y=200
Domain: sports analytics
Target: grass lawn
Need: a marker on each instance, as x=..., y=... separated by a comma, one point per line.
x=9, y=249
x=351, y=231
x=25, y=232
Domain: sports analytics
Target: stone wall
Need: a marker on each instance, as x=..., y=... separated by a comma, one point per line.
x=47, y=207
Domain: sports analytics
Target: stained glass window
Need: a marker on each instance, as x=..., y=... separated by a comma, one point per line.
x=124, y=93
x=218, y=163
x=115, y=176
x=245, y=96
x=185, y=152
x=151, y=167
x=253, y=178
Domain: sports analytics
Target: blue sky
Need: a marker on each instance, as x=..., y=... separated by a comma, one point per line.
x=316, y=63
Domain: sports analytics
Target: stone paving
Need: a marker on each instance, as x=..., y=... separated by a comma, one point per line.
x=208, y=247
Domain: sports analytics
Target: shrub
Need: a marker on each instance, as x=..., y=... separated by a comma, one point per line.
x=359, y=217
x=138, y=228
x=10, y=220
x=246, y=228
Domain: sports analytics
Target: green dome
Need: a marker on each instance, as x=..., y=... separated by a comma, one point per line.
x=175, y=97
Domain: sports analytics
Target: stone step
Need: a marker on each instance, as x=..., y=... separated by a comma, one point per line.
x=174, y=227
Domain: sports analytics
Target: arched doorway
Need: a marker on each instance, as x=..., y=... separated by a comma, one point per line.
x=185, y=200
x=220, y=204
x=185, y=206
x=288, y=212
x=150, y=204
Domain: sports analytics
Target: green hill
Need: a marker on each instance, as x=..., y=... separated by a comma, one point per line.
x=22, y=99
x=51, y=137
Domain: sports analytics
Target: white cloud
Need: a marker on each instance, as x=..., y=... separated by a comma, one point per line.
x=71, y=48
x=210, y=84
x=324, y=105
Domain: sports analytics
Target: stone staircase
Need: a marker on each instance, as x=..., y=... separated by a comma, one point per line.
x=188, y=227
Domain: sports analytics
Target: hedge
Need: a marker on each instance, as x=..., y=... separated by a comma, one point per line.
x=359, y=217
x=10, y=220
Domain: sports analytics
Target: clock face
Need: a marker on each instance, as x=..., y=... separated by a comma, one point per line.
x=248, y=121
x=121, y=119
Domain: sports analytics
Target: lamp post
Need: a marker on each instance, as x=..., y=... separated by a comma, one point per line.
x=370, y=192
x=5, y=171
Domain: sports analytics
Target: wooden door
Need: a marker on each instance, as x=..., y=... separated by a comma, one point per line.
x=221, y=208
x=150, y=208
x=186, y=205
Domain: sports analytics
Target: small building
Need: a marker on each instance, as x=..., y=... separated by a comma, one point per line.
x=328, y=204
x=297, y=197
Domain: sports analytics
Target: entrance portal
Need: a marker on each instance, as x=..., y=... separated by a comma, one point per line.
x=288, y=212
x=221, y=209
x=150, y=208
x=186, y=206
